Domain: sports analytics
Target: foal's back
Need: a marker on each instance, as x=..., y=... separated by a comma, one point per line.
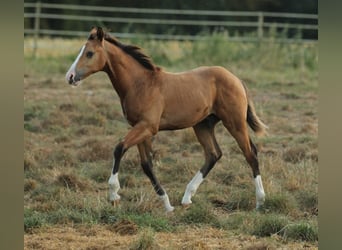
x=202, y=79
x=195, y=94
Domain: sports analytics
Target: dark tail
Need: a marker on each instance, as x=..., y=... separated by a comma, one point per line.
x=252, y=119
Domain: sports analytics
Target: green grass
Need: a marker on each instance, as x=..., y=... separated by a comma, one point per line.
x=268, y=225
x=302, y=231
x=279, y=203
x=69, y=136
x=201, y=213
x=33, y=219
x=146, y=240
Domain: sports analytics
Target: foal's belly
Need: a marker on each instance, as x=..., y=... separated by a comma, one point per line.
x=183, y=118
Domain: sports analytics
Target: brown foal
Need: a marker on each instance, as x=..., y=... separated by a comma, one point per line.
x=154, y=100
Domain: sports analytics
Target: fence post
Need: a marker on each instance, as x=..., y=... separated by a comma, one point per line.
x=36, y=27
x=260, y=25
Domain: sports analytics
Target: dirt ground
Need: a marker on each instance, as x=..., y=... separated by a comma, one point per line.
x=102, y=237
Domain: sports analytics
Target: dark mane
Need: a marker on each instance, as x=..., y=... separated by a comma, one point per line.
x=133, y=51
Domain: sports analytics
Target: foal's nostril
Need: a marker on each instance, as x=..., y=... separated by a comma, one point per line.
x=71, y=78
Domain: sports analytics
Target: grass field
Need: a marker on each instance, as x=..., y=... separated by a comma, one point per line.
x=70, y=133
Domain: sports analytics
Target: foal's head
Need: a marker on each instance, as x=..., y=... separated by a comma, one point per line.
x=91, y=58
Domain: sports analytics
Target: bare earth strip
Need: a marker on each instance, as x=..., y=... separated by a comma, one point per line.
x=100, y=237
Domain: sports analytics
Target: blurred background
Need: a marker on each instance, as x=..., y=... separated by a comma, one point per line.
x=248, y=20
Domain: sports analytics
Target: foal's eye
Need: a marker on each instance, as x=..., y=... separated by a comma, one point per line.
x=89, y=54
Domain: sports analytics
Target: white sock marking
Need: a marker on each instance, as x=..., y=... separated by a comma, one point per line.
x=259, y=192
x=114, y=187
x=72, y=69
x=192, y=187
x=165, y=199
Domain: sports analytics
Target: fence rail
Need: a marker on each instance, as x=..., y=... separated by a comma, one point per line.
x=255, y=21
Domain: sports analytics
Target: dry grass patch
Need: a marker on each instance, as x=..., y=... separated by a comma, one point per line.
x=124, y=227
x=93, y=150
x=295, y=154
x=146, y=240
x=73, y=182
x=29, y=185
x=29, y=161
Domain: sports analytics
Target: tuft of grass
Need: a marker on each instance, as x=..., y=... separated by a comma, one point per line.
x=61, y=157
x=29, y=162
x=45, y=193
x=145, y=241
x=98, y=173
x=108, y=215
x=62, y=138
x=267, y=225
x=65, y=215
x=94, y=150
x=29, y=184
x=308, y=201
x=235, y=221
x=241, y=200
x=35, y=111
x=279, y=203
x=295, y=154
x=199, y=213
x=73, y=182
x=302, y=231
x=144, y=220
x=124, y=227
x=33, y=126
x=33, y=219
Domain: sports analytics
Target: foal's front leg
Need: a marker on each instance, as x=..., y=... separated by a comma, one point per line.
x=145, y=151
x=140, y=134
x=136, y=135
x=113, y=182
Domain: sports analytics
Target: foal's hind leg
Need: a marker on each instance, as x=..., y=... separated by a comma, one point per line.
x=145, y=151
x=205, y=135
x=239, y=131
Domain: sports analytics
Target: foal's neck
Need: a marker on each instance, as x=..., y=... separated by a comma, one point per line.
x=123, y=70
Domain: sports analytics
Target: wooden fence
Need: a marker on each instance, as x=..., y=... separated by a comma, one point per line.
x=261, y=21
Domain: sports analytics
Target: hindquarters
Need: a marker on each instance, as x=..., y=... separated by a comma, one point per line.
x=233, y=105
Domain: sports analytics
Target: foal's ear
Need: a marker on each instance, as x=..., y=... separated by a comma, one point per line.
x=99, y=34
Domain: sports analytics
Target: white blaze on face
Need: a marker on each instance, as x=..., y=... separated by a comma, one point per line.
x=72, y=70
